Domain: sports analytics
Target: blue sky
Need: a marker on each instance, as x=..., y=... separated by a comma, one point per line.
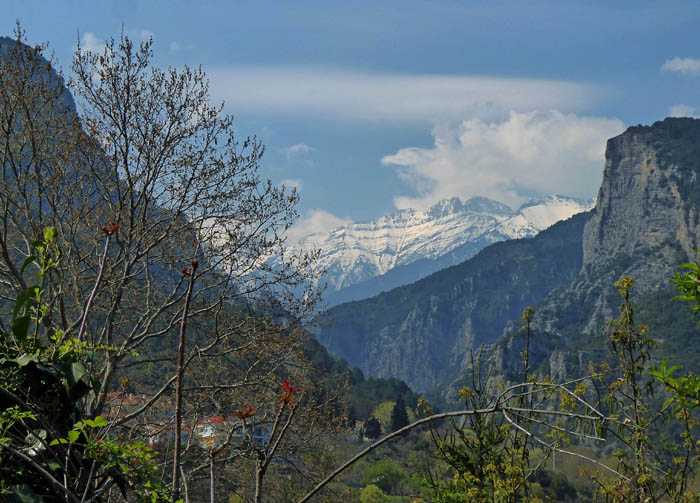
x=372, y=106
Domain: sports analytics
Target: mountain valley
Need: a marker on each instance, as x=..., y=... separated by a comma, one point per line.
x=644, y=224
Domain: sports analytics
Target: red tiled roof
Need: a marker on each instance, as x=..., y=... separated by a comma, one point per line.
x=211, y=420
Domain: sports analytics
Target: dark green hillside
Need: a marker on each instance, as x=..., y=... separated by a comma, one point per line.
x=676, y=330
x=361, y=396
x=423, y=332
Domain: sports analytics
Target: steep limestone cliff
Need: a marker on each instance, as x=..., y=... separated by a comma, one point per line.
x=649, y=192
x=644, y=224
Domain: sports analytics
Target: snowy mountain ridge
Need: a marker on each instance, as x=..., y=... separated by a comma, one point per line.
x=360, y=251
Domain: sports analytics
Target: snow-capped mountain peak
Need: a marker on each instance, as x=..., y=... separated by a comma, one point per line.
x=359, y=251
x=542, y=213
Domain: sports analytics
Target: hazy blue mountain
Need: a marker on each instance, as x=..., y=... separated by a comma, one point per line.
x=7, y=44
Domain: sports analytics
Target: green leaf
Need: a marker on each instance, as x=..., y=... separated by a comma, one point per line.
x=20, y=328
x=26, y=358
x=23, y=298
x=49, y=235
x=77, y=371
x=100, y=422
x=53, y=465
x=73, y=436
x=25, y=264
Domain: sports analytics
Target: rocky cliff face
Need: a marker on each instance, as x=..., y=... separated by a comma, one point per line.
x=644, y=224
x=649, y=192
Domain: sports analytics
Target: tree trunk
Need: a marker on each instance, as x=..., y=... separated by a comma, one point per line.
x=259, y=473
x=178, y=386
x=211, y=476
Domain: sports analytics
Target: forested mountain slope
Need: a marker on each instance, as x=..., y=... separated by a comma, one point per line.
x=423, y=332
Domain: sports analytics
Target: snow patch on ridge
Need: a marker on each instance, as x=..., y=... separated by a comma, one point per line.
x=359, y=251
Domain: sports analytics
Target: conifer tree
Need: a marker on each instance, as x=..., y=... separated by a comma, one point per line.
x=399, y=416
x=372, y=428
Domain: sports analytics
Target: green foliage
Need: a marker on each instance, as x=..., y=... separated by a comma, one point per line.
x=373, y=428
x=399, y=416
x=685, y=390
x=560, y=488
x=651, y=464
x=488, y=456
x=367, y=395
x=362, y=396
x=48, y=450
x=626, y=398
x=383, y=414
x=385, y=474
x=688, y=285
x=372, y=494
x=482, y=459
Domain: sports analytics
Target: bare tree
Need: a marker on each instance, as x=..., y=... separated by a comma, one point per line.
x=145, y=152
x=171, y=173
x=275, y=429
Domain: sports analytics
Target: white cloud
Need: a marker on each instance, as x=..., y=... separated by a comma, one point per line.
x=533, y=152
x=299, y=148
x=315, y=221
x=689, y=66
x=175, y=46
x=90, y=42
x=293, y=182
x=683, y=111
x=139, y=34
x=347, y=94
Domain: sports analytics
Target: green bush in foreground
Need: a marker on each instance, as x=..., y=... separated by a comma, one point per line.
x=48, y=450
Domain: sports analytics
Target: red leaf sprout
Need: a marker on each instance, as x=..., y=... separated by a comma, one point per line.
x=247, y=410
x=288, y=393
x=111, y=229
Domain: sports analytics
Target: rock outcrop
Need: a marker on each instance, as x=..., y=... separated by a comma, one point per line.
x=649, y=194
x=644, y=224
